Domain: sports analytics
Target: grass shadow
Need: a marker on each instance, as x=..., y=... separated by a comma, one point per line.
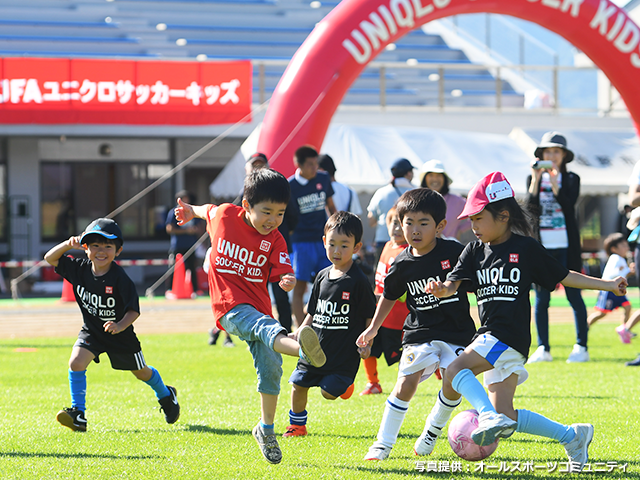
x=215, y=431
x=76, y=455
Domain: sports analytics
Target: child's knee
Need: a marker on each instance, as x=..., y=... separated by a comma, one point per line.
x=143, y=374
x=327, y=395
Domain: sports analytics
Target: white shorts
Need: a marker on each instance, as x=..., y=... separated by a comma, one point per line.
x=505, y=360
x=427, y=357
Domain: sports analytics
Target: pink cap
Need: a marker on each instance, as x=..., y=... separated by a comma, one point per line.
x=491, y=188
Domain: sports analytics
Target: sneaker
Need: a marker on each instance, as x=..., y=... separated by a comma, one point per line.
x=540, y=355
x=427, y=440
x=268, y=445
x=72, y=418
x=347, y=395
x=492, y=425
x=632, y=334
x=578, y=354
x=378, y=452
x=295, y=431
x=625, y=335
x=310, y=349
x=577, y=449
x=169, y=405
x=214, y=333
x=372, y=389
x=228, y=343
x=634, y=363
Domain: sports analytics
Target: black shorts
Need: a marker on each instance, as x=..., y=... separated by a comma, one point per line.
x=389, y=342
x=333, y=384
x=120, y=360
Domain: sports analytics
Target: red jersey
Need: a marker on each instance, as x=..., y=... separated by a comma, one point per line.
x=242, y=261
x=395, y=319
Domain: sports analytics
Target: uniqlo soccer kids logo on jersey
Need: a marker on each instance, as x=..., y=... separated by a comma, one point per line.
x=284, y=258
x=265, y=246
x=513, y=258
x=445, y=264
x=345, y=295
x=108, y=289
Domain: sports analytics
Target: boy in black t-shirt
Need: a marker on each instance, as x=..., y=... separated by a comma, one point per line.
x=341, y=305
x=435, y=331
x=109, y=304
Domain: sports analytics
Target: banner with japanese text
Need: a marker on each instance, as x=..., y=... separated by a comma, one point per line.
x=54, y=90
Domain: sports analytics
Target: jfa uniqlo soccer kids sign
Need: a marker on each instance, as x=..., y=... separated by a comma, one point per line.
x=49, y=91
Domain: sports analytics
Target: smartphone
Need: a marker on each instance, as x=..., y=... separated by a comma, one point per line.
x=539, y=164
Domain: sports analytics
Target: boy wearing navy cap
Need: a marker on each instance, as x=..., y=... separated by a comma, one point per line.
x=109, y=304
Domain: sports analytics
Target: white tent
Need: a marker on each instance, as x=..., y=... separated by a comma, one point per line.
x=363, y=155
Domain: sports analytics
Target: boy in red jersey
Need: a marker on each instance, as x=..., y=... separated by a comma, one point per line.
x=389, y=338
x=247, y=252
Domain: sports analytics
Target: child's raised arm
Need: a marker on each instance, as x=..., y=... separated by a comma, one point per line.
x=185, y=212
x=53, y=255
x=577, y=280
x=442, y=289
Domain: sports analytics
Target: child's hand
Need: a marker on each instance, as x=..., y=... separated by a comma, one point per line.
x=287, y=282
x=74, y=242
x=436, y=288
x=112, y=327
x=619, y=286
x=183, y=212
x=366, y=338
x=364, y=352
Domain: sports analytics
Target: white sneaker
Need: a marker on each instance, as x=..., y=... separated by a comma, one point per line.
x=577, y=449
x=492, y=425
x=427, y=441
x=540, y=355
x=378, y=452
x=578, y=354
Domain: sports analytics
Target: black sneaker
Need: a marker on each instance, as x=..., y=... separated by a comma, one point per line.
x=634, y=363
x=72, y=418
x=214, y=333
x=169, y=405
x=268, y=445
x=228, y=342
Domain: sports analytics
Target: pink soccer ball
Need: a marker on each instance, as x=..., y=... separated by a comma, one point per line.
x=459, y=435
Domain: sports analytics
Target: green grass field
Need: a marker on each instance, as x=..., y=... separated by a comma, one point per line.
x=128, y=438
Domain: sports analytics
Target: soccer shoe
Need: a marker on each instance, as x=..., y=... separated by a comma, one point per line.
x=169, y=405
x=634, y=363
x=310, y=349
x=427, y=440
x=228, y=343
x=492, y=425
x=540, y=355
x=347, y=394
x=214, y=333
x=295, y=431
x=268, y=445
x=72, y=418
x=371, y=389
x=625, y=335
x=577, y=449
x=378, y=452
x=579, y=354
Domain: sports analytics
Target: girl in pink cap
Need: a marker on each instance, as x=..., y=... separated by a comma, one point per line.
x=502, y=264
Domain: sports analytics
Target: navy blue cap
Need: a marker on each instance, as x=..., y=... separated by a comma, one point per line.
x=105, y=227
x=401, y=167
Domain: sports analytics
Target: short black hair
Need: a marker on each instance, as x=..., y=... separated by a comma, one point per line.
x=325, y=162
x=99, y=239
x=304, y=152
x=345, y=223
x=422, y=200
x=266, y=185
x=612, y=241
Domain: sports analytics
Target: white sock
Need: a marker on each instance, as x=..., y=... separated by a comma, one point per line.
x=392, y=418
x=441, y=411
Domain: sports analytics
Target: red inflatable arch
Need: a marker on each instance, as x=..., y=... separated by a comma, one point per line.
x=355, y=31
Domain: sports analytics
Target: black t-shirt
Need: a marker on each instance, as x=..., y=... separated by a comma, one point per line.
x=502, y=276
x=340, y=308
x=430, y=318
x=102, y=299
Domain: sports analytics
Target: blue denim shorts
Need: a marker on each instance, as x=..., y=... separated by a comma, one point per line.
x=260, y=332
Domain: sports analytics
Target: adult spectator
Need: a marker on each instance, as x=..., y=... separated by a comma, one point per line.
x=311, y=193
x=433, y=176
x=385, y=197
x=344, y=197
x=552, y=195
x=184, y=237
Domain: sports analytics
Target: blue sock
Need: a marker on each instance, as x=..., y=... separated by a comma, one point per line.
x=267, y=429
x=536, y=424
x=466, y=384
x=78, y=387
x=157, y=384
x=298, y=418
